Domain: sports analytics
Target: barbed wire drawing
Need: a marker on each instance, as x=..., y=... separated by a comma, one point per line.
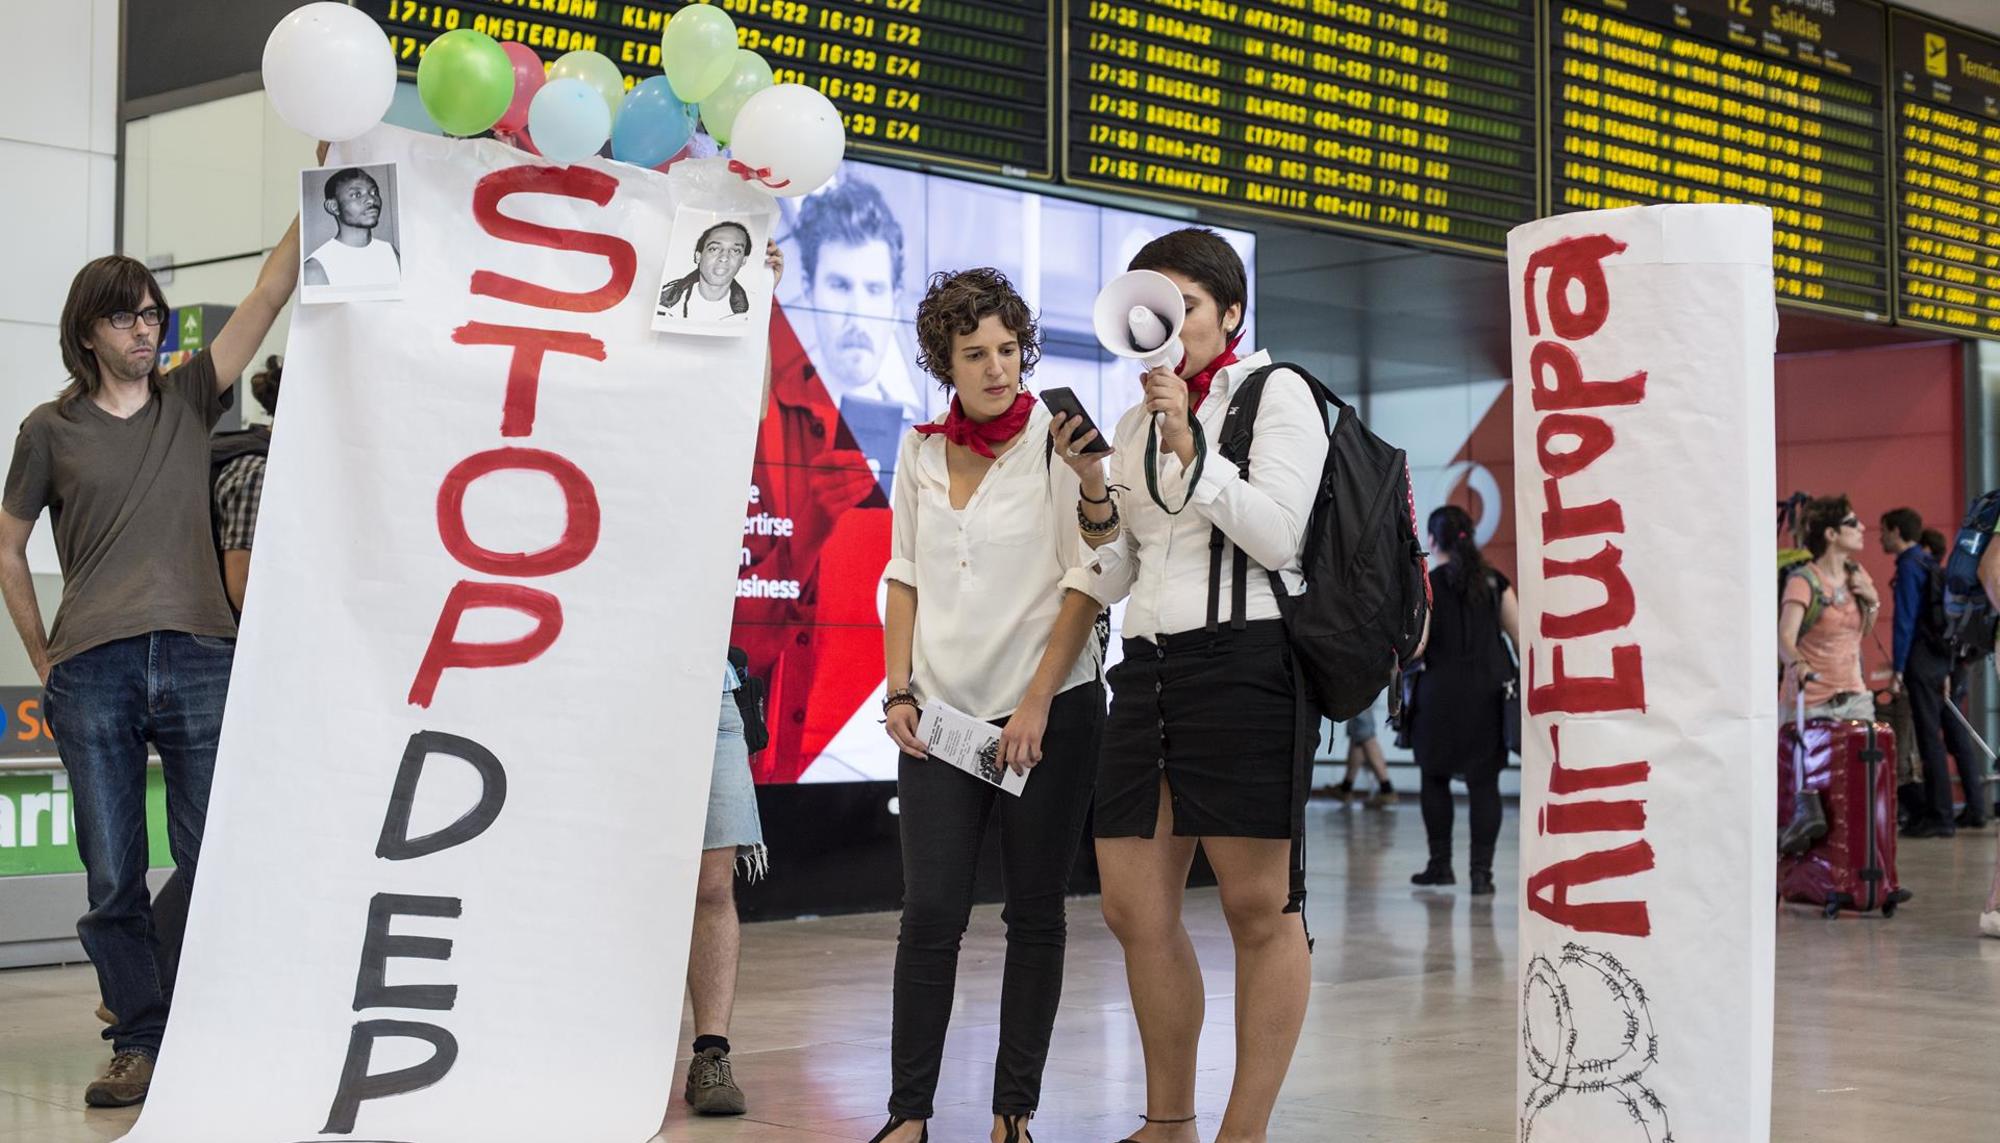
x=1562, y=1068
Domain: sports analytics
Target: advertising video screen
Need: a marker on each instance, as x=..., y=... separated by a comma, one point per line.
x=846, y=387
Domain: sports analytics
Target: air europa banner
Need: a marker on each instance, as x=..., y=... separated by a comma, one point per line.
x=500, y=495
x=1644, y=445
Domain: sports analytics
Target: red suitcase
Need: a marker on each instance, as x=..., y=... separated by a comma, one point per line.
x=1851, y=765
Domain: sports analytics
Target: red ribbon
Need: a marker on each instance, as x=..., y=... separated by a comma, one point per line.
x=758, y=175
x=980, y=436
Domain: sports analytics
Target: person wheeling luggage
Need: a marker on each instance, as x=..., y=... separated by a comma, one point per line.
x=1828, y=605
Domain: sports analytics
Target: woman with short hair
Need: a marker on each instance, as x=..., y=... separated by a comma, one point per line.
x=988, y=613
x=1210, y=729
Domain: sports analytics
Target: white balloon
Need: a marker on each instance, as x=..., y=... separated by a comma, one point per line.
x=329, y=71
x=792, y=132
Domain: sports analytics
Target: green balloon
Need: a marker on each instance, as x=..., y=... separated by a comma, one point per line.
x=748, y=75
x=596, y=70
x=697, y=50
x=466, y=81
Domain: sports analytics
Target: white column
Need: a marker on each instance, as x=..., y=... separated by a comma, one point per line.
x=1644, y=446
x=59, y=147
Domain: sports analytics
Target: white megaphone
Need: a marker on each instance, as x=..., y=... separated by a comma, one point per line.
x=1138, y=315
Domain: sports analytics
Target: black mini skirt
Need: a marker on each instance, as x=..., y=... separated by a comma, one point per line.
x=1221, y=715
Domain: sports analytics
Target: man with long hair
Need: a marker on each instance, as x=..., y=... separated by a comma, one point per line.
x=141, y=644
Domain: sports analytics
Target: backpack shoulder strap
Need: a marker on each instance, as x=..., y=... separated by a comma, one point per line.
x=1817, y=603
x=1244, y=401
x=1238, y=428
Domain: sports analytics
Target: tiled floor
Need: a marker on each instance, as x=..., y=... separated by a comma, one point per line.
x=1885, y=1029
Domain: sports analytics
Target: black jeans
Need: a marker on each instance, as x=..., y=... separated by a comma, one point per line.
x=1483, y=804
x=1924, y=678
x=943, y=814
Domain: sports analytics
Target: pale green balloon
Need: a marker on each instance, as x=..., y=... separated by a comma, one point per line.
x=748, y=75
x=697, y=50
x=597, y=71
x=465, y=81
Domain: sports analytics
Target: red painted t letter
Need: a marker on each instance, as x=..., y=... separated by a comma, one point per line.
x=524, y=374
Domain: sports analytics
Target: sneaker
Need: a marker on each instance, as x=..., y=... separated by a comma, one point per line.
x=1967, y=820
x=711, y=1087
x=1382, y=799
x=1989, y=924
x=124, y=1081
x=1342, y=793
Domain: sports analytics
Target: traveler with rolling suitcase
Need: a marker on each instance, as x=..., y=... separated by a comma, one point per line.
x=1826, y=606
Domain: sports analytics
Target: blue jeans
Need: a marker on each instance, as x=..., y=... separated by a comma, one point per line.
x=103, y=706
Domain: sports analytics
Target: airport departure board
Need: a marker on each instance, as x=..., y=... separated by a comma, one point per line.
x=1947, y=147
x=958, y=81
x=1774, y=102
x=1413, y=119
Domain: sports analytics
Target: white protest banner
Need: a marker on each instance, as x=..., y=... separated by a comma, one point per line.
x=1645, y=479
x=452, y=848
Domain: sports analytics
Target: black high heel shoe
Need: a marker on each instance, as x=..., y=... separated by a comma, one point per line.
x=896, y=1121
x=1017, y=1130
x=1150, y=1119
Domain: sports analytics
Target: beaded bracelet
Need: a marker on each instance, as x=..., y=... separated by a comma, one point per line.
x=1092, y=528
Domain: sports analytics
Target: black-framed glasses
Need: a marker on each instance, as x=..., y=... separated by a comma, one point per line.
x=126, y=319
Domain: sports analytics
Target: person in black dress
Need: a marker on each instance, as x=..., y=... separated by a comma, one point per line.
x=1456, y=729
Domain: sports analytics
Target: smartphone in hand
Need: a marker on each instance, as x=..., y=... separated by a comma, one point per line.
x=1061, y=399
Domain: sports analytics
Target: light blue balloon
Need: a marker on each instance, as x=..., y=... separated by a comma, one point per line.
x=568, y=121
x=652, y=124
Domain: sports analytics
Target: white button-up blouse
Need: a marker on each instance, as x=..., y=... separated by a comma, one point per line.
x=1161, y=561
x=990, y=577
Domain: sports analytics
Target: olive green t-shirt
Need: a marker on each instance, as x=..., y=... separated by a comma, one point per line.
x=129, y=500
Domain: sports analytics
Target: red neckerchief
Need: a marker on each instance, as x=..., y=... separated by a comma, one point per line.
x=981, y=436
x=1198, y=384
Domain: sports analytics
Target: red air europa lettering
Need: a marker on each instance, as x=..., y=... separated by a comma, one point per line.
x=578, y=530
x=1565, y=283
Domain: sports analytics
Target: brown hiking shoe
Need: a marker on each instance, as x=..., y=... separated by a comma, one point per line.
x=1381, y=799
x=124, y=1081
x=711, y=1087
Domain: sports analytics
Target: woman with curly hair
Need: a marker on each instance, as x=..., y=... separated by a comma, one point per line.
x=987, y=613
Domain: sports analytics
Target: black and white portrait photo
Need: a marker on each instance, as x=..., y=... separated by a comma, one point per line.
x=350, y=233
x=715, y=278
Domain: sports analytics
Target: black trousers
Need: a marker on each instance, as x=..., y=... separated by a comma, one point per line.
x=1924, y=678
x=943, y=814
x=1484, y=806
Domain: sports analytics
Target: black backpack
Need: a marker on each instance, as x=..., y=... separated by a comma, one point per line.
x=1368, y=589
x=1968, y=615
